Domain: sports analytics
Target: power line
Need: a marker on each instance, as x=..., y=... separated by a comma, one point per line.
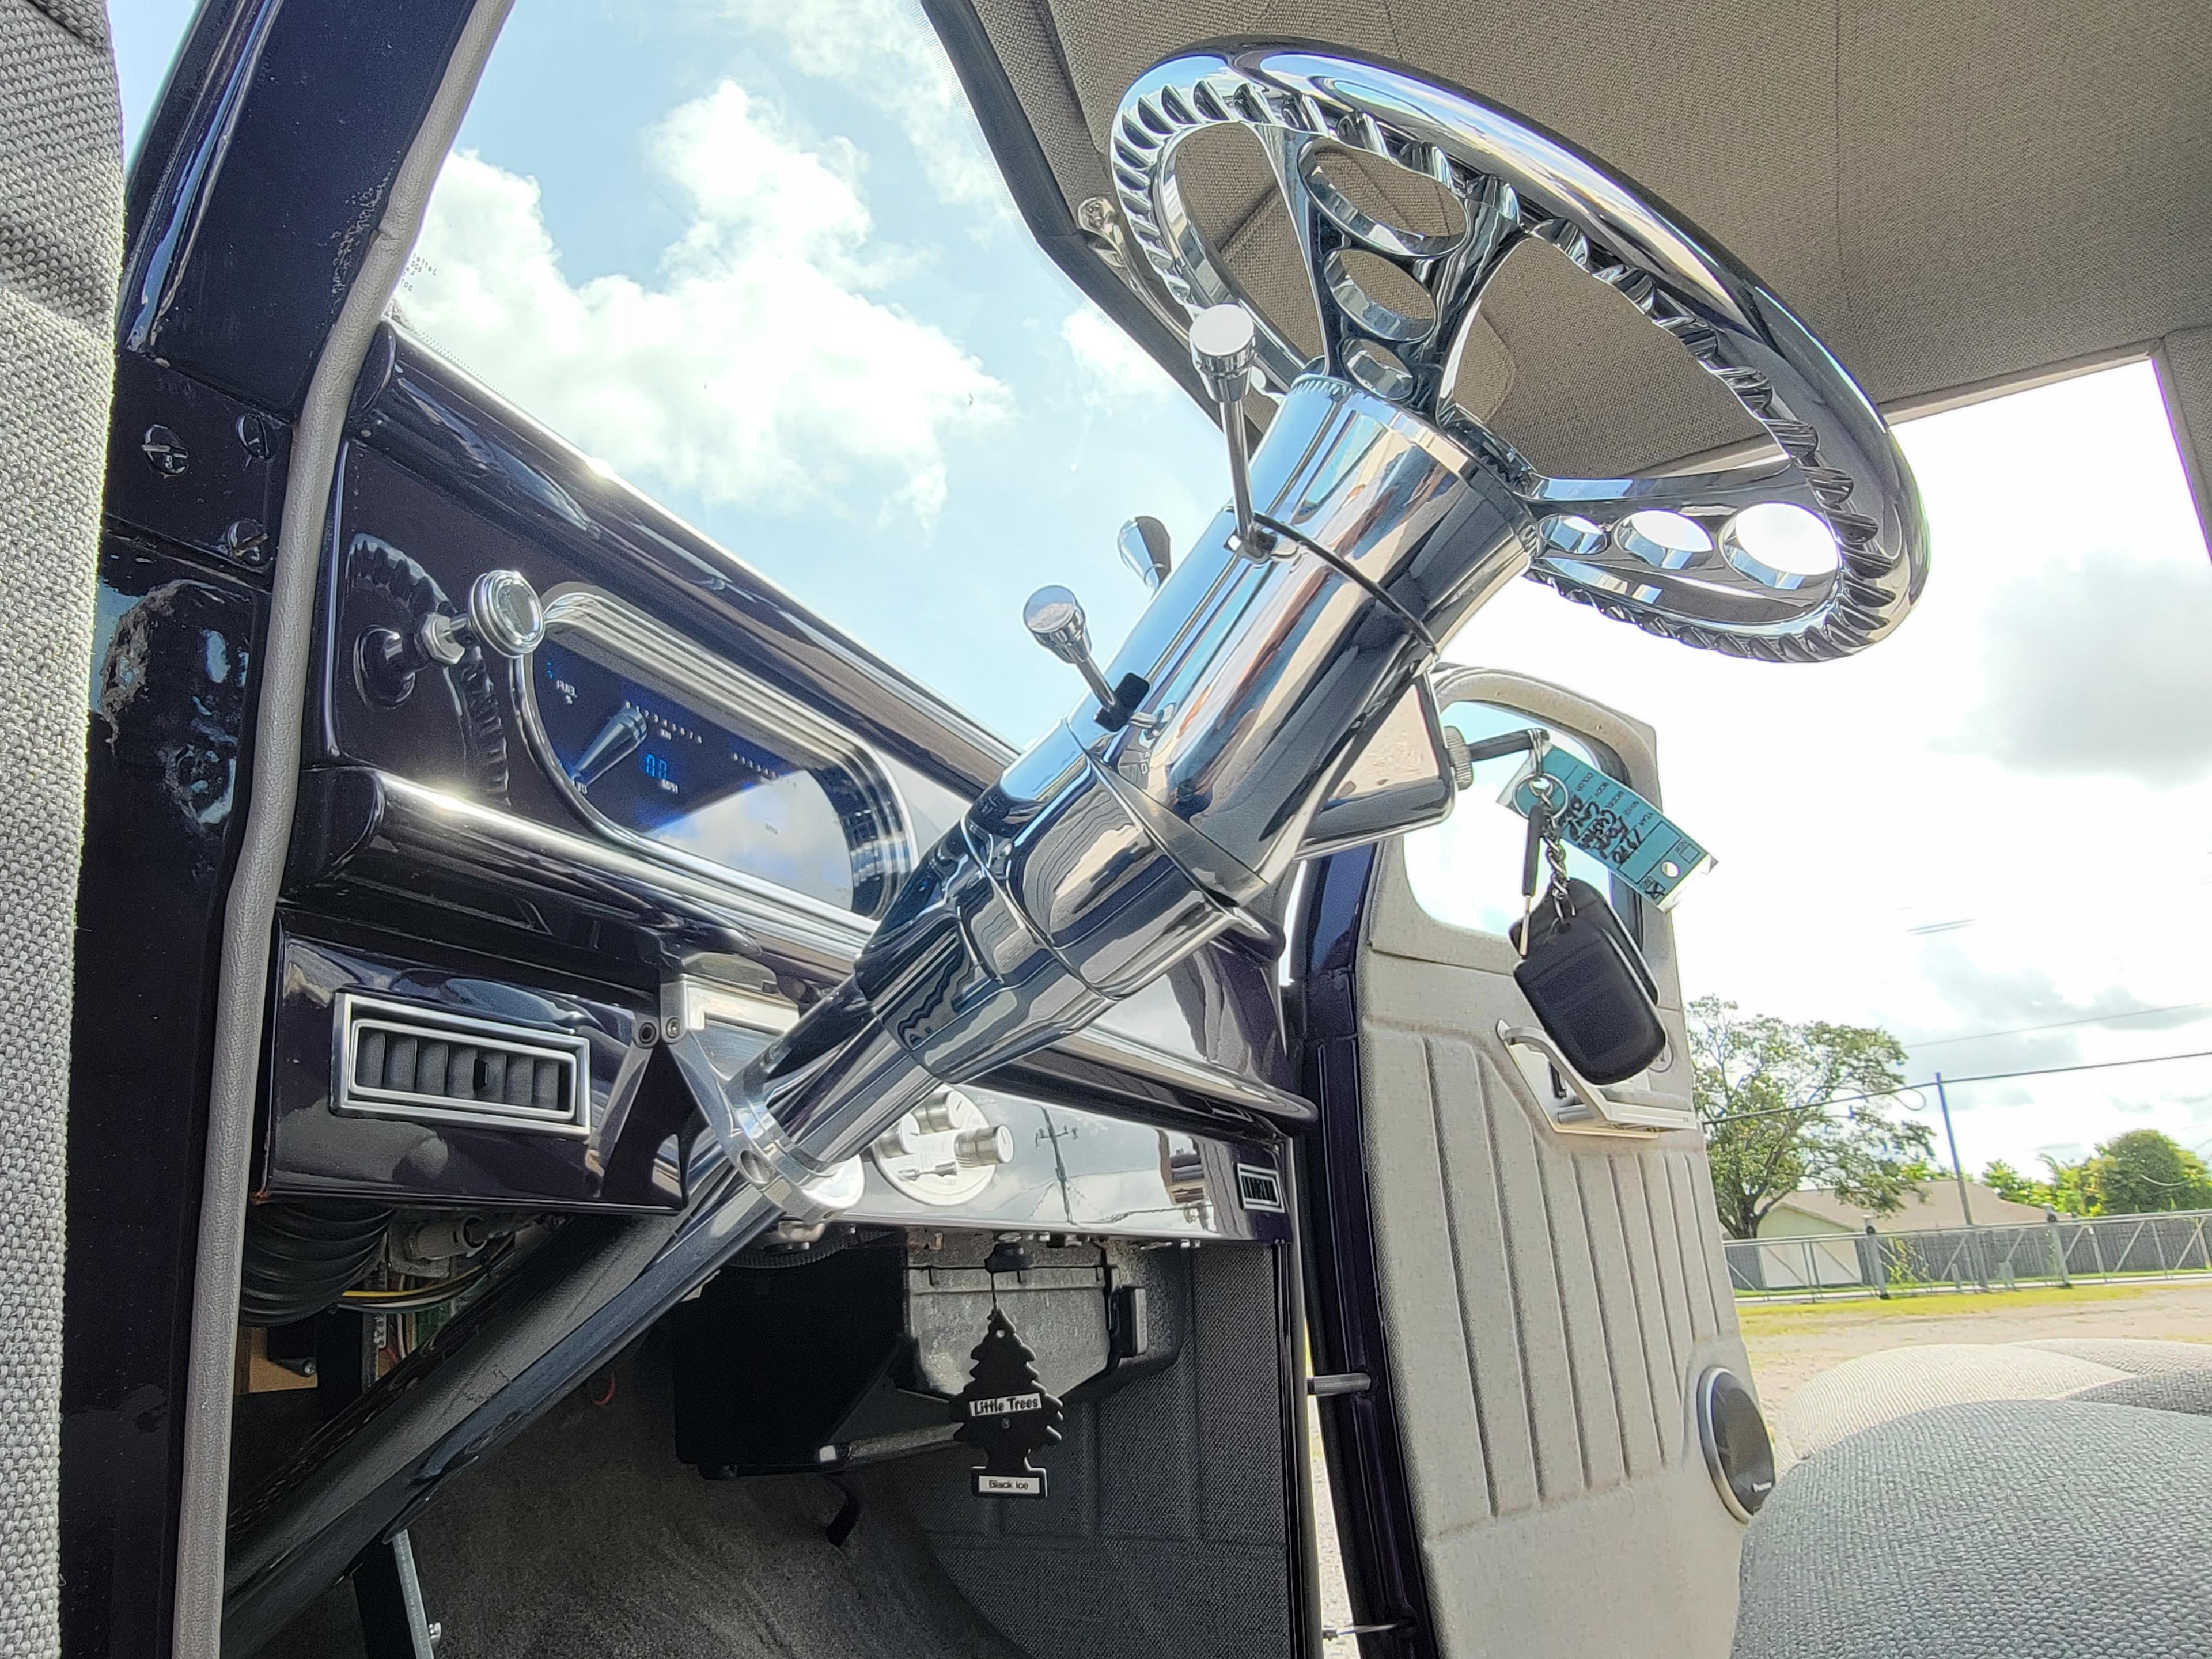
x=2054, y=1025
x=1953, y=1082
x=2040, y=1071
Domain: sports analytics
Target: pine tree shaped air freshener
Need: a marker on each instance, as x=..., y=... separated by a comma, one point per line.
x=1005, y=1413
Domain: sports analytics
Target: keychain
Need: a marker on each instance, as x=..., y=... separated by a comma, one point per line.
x=1582, y=974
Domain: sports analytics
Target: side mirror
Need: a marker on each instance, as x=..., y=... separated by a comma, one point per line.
x=1147, y=550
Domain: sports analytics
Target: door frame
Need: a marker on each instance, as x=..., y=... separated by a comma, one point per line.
x=1368, y=1480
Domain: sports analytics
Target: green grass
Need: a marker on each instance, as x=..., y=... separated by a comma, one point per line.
x=1762, y=1315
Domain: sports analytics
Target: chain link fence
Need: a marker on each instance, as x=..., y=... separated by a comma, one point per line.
x=2055, y=1252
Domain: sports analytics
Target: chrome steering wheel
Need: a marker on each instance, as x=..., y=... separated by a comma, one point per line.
x=1617, y=544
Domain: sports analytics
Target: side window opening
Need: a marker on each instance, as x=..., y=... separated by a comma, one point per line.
x=1466, y=872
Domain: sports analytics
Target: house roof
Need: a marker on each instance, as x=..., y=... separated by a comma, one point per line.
x=1935, y=1205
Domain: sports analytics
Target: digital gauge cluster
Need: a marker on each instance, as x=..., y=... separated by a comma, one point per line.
x=668, y=749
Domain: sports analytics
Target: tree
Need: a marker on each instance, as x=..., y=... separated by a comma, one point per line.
x=1770, y=1096
x=2071, y=1190
x=2133, y=1174
x=2010, y=1185
x=2143, y=1170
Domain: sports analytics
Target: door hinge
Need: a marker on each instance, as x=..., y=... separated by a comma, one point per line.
x=1340, y=1382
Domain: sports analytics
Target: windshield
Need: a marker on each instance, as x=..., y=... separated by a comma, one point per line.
x=756, y=260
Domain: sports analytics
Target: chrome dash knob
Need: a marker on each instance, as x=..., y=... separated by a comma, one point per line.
x=505, y=619
x=505, y=614
x=984, y=1149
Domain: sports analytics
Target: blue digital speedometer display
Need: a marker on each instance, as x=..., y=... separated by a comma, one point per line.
x=649, y=764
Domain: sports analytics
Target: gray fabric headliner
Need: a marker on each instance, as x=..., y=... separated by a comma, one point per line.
x=1954, y=195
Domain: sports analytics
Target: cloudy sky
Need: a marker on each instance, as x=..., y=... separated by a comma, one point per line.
x=751, y=254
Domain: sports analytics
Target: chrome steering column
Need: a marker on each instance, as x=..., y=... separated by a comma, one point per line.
x=1126, y=838
x=1377, y=514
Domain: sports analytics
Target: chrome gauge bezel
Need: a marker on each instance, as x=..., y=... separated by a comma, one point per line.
x=679, y=668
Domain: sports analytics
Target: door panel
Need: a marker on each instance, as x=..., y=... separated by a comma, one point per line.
x=1550, y=1294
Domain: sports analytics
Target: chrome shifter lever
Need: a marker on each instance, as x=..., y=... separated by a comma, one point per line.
x=1146, y=548
x=1224, y=348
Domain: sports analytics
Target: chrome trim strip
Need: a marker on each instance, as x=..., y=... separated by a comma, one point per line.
x=764, y=918
x=684, y=671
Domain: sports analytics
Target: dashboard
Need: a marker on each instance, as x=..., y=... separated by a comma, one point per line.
x=532, y=858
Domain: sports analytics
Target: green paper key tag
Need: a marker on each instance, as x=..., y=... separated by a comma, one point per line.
x=1613, y=825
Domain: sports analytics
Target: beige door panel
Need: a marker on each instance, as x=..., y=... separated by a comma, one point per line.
x=1551, y=1293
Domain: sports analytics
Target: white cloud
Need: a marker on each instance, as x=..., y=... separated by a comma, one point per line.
x=2099, y=666
x=1845, y=809
x=755, y=367
x=885, y=50
x=1111, y=370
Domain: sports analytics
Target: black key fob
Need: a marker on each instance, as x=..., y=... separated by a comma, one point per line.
x=1589, y=987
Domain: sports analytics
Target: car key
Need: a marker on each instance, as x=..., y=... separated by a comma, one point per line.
x=1582, y=974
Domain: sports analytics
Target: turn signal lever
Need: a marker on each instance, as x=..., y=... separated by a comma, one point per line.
x=1056, y=621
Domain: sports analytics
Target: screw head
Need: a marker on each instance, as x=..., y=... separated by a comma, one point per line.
x=166, y=451
x=255, y=437
x=247, y=540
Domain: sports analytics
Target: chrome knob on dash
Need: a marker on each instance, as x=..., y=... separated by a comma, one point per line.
x=983, y=1149
x=941, y=1115
x=944, y=1151
x=505, y=619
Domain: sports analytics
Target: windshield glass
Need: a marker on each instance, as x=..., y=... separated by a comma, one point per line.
x=756, y=260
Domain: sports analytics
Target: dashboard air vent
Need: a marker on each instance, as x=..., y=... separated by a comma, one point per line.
x=403, y=1060
x=1258, y=1189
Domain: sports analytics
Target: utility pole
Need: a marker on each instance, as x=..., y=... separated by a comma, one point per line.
x=1958, y=1171
x=1959, y=1174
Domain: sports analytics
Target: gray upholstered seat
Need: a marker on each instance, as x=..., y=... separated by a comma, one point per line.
x=61, y=239
x=2030, y=1501
x=2008, y=1529
x=1880, y=1388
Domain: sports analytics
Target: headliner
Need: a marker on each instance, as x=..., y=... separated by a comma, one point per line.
x=1960, y=197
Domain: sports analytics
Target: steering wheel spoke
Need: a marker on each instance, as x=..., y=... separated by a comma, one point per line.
x=1406, y=199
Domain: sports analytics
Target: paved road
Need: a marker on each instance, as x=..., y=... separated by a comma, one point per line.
x=1790, y=1343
